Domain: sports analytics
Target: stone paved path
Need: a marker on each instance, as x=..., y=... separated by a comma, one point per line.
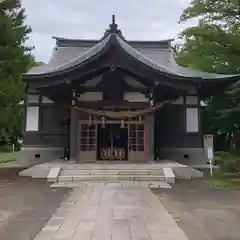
x=111, y=212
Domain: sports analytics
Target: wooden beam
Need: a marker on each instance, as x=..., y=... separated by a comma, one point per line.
x=110, y=104
x=127, y=88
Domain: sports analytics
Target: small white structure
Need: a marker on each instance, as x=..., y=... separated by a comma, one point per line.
x=208, y=146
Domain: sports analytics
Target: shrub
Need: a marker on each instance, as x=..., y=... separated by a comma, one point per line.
x=227, y=162
x=219, y=175
x=222, y=154
x=218, y=160
x=6, y=148
x=232, y=165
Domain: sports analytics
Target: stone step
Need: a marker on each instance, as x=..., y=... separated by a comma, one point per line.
x=122, y=184
x=111, y=167
x=147, y=167
x=98, y=178
x=114, y=169
x=111, y=172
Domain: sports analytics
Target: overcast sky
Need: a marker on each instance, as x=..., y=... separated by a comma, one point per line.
x=88, y=19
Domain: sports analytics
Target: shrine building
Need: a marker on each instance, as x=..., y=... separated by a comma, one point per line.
x=116, y=100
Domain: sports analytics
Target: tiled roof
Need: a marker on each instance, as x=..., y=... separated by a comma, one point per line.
x=159, y=57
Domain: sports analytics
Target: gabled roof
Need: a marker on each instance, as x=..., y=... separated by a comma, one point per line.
x=70, y=53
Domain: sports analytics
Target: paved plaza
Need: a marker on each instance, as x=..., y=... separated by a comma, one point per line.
x=111, y=211
x=31, y=209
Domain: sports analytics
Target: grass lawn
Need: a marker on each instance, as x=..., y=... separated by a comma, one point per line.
x=7, y=157
x=225, y=180
x=223, y=183
x=229, y=177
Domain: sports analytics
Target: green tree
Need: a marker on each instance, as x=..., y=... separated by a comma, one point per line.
x=15, y=59
x=214, y=46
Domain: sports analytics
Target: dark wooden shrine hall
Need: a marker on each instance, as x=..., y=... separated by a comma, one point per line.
x=135, y=85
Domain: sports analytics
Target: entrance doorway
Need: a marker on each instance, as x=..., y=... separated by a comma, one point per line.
x=112, y=142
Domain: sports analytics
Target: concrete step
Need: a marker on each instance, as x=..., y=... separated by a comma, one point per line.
x=98, y=178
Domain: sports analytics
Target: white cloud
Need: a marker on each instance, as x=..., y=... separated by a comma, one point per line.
x=138, y=19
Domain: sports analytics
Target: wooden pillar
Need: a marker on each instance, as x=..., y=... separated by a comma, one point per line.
x=73, y=134
x=149, y=133
x=146, y=139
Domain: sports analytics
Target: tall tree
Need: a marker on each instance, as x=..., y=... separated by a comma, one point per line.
x=214, y=46
x=15, y=59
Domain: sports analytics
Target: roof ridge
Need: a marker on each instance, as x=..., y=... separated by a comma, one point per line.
x=98, y=40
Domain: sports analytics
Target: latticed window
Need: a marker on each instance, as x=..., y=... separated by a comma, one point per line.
x=136, y=137
x=88, y=135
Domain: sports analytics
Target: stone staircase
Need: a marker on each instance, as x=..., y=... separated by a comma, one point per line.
x=113, y=173
x=71, y=173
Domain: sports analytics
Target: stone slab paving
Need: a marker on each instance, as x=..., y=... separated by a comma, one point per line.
x=111, y=211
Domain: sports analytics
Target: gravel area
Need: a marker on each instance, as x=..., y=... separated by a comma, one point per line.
x=202, y=212
x=26, y=205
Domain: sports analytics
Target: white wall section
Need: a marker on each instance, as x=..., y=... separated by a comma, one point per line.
x=91, y=96
x=192, y=119
x=135, y=97
x=32, y=118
